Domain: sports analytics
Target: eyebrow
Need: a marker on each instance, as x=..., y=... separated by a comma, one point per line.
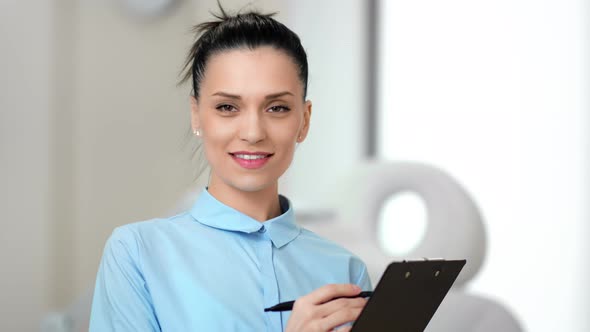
x=238, y=97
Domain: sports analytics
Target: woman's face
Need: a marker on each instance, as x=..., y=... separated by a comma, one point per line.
x=250, y=113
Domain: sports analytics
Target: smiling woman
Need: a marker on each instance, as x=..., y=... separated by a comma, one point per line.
x=250, y=113
x=238, y=250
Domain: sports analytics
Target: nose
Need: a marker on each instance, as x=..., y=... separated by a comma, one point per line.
x=252, y=127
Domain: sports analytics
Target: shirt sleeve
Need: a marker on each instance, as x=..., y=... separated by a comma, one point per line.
x=360, y=275
x=121, y=300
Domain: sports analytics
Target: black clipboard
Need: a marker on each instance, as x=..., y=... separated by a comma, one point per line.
x=408, y=295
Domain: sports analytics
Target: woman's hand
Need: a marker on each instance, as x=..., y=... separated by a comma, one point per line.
x=319, y=312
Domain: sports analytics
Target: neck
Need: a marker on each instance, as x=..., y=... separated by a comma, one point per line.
x=260, y=205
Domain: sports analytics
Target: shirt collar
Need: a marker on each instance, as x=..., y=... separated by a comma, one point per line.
x=281, y=230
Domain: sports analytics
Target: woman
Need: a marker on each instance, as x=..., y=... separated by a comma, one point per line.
x=238, y=250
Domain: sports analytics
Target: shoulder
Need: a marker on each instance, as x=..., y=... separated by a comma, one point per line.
x=133, y=236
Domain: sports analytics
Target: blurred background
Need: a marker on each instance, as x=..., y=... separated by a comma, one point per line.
x=491, y=97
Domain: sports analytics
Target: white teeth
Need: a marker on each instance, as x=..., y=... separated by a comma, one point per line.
x=250, y=156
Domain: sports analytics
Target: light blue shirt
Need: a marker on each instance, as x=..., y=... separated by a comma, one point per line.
x=213, y=268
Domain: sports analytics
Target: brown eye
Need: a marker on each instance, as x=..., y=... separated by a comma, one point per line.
x=226, y=108
x=279, y=109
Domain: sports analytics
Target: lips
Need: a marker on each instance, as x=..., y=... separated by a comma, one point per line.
x=251, y=160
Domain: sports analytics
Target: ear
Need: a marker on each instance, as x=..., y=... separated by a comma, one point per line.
x=306, y=119
x=195, y=122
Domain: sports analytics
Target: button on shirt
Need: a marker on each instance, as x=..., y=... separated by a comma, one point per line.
x=213, y=268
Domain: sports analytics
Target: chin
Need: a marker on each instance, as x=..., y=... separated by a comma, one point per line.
x=251, y=185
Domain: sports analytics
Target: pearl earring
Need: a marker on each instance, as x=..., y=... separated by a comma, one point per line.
x=196, y=132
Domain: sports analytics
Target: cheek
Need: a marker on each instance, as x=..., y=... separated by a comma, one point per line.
x=216, y=137
x=285, y=130
x=285, y=139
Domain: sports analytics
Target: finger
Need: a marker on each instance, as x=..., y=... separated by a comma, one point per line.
x=340, y=317
x=345, y=328
x=331, y=307
x=328, y=292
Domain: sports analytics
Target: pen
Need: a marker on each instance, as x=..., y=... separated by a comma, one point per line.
x=286, y=306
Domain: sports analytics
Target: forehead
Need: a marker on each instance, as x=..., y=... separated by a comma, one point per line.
x=251, y=72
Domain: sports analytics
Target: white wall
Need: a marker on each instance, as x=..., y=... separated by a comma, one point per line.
x=91, y=137
x=497, y=94
x=334, y=36
x=25, y=160
x=129, y=124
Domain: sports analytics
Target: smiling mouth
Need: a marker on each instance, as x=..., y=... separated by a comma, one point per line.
x=251, y=160
x=251, y=156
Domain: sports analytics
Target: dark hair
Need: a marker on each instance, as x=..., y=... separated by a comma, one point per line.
x=244, y=30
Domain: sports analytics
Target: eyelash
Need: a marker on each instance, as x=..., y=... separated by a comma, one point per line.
x=283, y=108
x=226, y=108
